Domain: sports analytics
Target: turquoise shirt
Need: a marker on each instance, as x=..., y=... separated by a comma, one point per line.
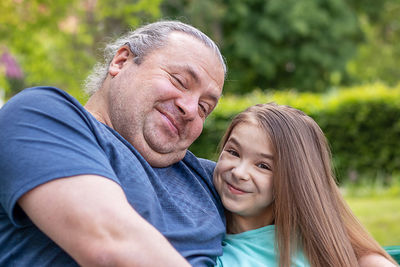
x=254, y=248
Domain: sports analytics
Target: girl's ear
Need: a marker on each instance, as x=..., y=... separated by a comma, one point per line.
x=119, y=60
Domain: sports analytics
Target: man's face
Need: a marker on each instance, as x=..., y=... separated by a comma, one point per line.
x=160, y=105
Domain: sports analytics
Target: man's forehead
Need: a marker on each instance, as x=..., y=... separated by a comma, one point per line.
x=177, y=36
x=186, y=69
x=185, y=42
x=182, y=41
x=186, y=54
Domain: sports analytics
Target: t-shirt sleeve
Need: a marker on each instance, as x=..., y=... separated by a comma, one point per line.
x=209, y=167
x=44, y=135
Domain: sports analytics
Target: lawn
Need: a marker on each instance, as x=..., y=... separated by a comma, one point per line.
x=380, y=215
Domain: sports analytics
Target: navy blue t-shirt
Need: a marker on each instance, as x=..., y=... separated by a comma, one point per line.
x=46, y=134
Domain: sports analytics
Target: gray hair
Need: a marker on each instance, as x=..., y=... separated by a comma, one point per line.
x=141, y=42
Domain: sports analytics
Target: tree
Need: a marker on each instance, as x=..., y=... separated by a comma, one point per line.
x=57, y=42
x=303, y=44
x=378, y=57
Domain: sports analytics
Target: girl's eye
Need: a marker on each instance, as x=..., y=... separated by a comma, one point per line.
x=264, y=166
x=232, y=152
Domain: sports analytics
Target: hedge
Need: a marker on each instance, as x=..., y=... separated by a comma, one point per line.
x=362, y=125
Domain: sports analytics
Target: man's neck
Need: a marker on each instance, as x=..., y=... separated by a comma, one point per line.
x=97, y=106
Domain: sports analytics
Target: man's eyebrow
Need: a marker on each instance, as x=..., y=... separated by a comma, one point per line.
x=192, y=73
x=188, y=69
x=214, y=98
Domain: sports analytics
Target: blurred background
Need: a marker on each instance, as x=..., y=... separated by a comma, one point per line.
x=337, y=60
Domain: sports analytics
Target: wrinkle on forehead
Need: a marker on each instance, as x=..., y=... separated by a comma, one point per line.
x=209, y=61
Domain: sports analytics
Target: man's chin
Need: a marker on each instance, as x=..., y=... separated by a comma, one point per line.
x=161, y=152
x=159, y=160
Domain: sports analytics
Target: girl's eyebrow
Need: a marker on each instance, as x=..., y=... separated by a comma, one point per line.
x=269, y=156
x=233, y=140
x=236, y=142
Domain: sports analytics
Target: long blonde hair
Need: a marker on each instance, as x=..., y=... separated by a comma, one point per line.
x=310, y=212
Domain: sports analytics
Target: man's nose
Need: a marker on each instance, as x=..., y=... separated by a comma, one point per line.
x=188, y=106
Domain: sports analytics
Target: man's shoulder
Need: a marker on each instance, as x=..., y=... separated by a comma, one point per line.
x=45, y=92
x=44, y=103
x=192, y=160
x=41, y=97
x=207, y=164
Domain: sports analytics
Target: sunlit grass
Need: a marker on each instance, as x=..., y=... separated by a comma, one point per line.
x=380, y=215
x=378, y=208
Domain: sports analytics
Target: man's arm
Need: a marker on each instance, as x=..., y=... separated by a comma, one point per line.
x=89, y=217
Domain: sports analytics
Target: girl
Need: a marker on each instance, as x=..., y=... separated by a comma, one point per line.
x=275, y=180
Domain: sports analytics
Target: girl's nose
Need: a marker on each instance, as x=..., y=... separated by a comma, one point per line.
x=241, y=172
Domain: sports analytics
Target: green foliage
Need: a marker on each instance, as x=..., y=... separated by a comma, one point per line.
x=57, y=42
x=361, y=124
x=378, y=57
x=278, y=44
x=363, y=127
x=372, y=188
x=288, y=44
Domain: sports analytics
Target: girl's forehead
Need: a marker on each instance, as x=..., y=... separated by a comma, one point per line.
x=250, y=123
x=247, y=130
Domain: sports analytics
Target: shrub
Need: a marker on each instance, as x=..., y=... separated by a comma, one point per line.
x=361, y=123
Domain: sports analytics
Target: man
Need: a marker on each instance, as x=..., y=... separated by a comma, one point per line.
x=112, y=183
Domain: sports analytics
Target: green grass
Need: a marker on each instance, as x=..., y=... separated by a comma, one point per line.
x=380, y=215
x=377, y=205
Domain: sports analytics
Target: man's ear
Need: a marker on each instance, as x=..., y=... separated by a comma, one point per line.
x=119, y=60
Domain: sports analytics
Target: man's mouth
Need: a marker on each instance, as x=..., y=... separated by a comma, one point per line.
x=172, y=124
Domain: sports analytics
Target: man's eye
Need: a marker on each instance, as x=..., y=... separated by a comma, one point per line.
x=204, y=109
x=179, y=81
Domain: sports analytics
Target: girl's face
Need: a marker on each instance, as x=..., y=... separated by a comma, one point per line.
x=243, y=175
